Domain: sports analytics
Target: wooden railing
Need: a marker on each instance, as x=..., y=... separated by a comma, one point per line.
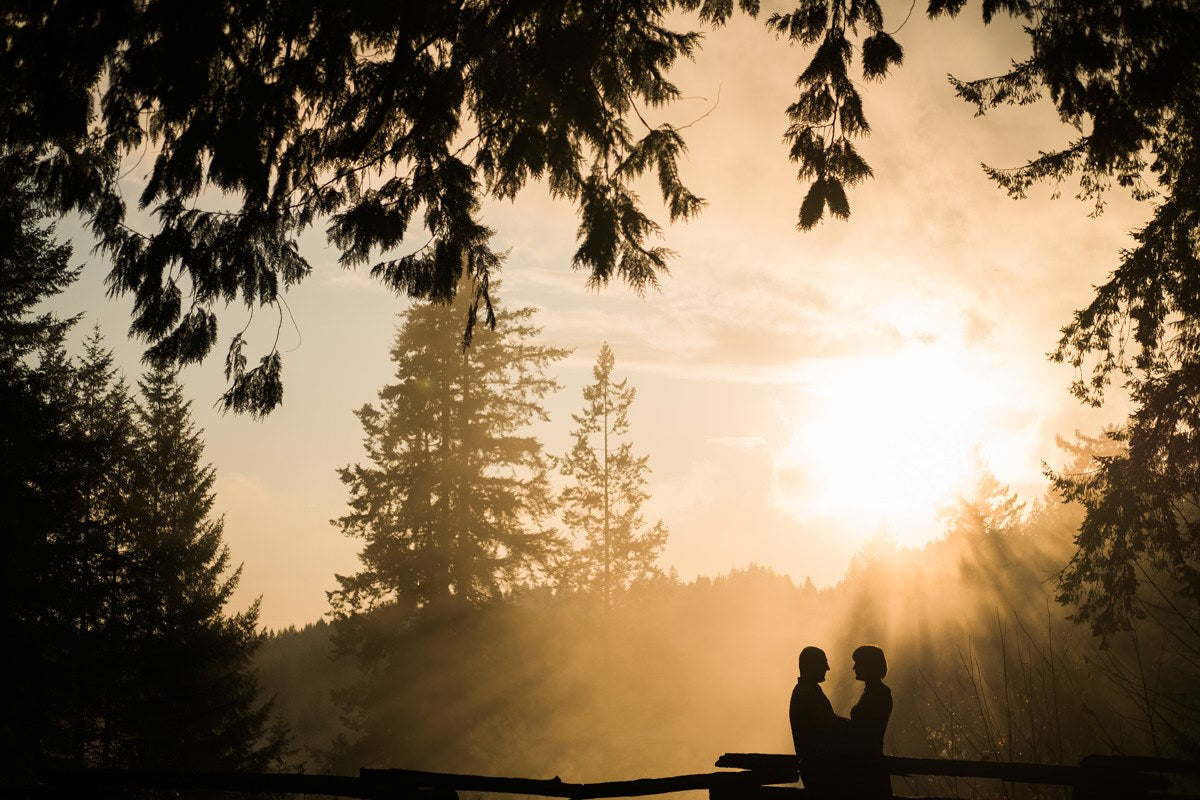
x=386, y=784
x=754, y=776
x=1095, y=777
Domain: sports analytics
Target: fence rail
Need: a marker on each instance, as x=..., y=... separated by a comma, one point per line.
x=388, y=784
x=755, y=776
x=640, y=787
x=1134, y=774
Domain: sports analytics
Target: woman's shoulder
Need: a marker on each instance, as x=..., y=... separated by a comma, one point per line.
x=878, y=692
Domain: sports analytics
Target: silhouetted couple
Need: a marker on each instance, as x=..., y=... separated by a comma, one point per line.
x=840, y=757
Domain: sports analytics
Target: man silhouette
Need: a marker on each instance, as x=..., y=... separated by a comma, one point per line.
x=817, y=733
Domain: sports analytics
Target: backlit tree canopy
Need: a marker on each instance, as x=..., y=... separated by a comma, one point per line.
x=389, y=123
x=385, y=123
x=261, y=119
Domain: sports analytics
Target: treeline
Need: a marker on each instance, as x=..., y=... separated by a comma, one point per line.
x=115, y=580
x=984, y=663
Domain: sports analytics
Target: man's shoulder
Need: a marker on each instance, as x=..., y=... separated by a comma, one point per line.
x=808, y=693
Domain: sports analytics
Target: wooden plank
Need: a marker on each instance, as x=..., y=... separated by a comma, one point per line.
x=1169, y=766
x=1098, y=776
x=383, y=781
x=278, y=783
x=766, y=762
x=800, y=793
x=1013, y=772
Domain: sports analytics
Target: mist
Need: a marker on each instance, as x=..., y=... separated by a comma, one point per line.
x=983, y=663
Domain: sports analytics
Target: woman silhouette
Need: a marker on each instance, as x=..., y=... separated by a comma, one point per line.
x=868, y=721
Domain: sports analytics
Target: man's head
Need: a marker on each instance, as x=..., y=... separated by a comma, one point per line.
x=813, y=664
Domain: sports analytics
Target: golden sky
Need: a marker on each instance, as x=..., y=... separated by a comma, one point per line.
x=797, y=392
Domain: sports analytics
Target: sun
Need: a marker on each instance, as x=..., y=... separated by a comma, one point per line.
x=885, y=442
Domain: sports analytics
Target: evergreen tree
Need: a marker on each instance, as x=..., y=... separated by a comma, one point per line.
x=42, y=462
x=197, y=704
x=452, y=501
x=989, y=508
x=604, y=500
x=87, y=570
x=102, y=419
x=34, y=267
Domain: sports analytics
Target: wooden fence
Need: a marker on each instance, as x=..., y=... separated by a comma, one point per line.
x=1095, y=778
x=749, y=776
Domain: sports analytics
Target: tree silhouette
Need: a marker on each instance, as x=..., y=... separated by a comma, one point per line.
x=193, y=675
x=36, y=267
x=83, y=569
x=603, y=502
x=293, y=110
x=42, y=463
x=1123, y=75
x=988, y=508
x=452, y=502
x=103, y=419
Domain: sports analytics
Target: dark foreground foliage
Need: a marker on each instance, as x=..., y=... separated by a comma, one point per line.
x=114, y=578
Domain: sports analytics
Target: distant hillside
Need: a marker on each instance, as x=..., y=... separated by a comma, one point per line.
x=298, y=668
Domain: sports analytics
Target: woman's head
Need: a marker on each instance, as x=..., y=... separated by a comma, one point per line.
x=869, y=663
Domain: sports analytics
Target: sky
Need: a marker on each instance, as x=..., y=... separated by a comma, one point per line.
x=797, y=392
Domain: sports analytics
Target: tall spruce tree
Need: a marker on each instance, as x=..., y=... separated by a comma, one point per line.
x=103, y=420
x=453, y=500
x=603, y=503
x=197, y=703
x=42, y=461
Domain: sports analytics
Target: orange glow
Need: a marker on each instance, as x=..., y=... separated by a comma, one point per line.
x=886, y=441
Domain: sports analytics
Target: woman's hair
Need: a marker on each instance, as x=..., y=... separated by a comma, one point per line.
x=870, y=661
